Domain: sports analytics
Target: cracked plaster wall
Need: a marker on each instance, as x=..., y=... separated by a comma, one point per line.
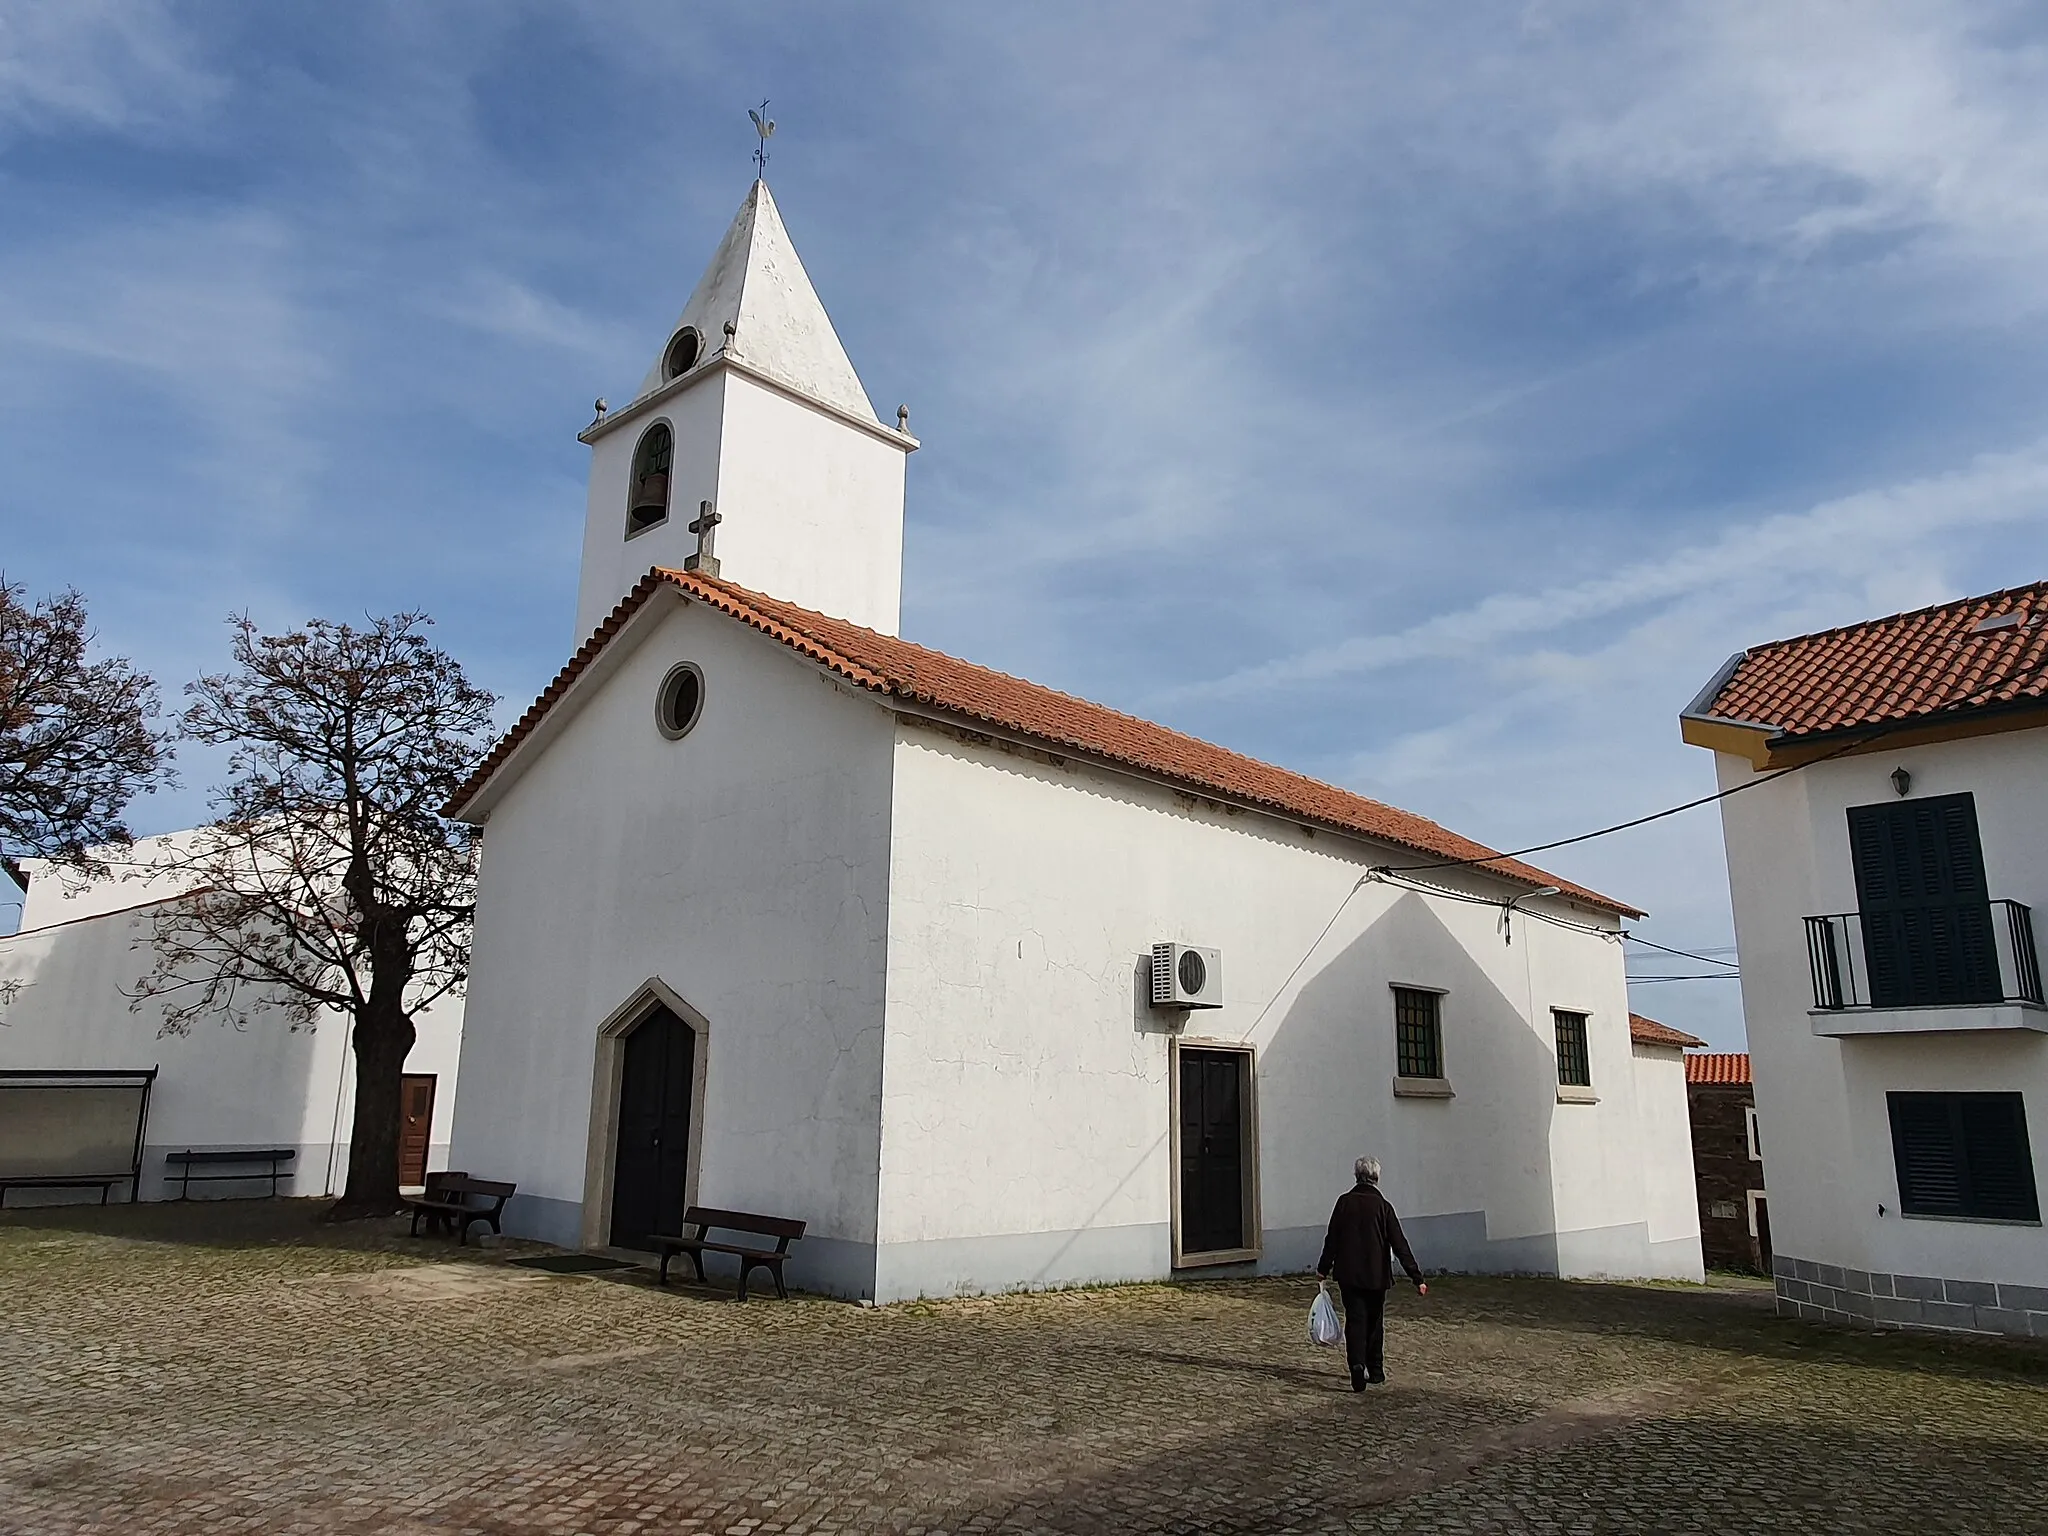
x=1822, y=1118
x=745, y=866
x=1025, y=1083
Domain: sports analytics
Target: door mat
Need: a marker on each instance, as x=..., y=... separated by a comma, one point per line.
x=572, y=1263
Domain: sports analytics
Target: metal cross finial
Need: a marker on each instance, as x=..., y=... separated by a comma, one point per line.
x=765, y=129
x=705, y=526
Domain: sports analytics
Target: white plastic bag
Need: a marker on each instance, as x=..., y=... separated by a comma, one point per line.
x=1325, y=1327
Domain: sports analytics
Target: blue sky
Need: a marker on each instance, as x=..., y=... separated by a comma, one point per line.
x=1427, y=402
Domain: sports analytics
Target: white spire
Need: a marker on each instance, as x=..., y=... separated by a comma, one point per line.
x=756, y=283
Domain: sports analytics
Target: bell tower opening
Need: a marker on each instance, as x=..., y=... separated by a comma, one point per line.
x=647, y=507
x=682, y=352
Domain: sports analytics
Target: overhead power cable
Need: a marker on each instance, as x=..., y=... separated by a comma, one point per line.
x=1623, y=826
x=1703, y=976
x=1683, y=954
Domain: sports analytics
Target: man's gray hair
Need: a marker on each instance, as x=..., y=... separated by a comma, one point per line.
x=1368, y=1169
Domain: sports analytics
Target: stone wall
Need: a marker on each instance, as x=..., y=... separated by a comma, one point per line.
x=1726, y=1174
x=1828, y=1293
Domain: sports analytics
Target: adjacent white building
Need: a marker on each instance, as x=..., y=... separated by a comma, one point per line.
x=66, y=980
x=782, y=913
x=1885, y=857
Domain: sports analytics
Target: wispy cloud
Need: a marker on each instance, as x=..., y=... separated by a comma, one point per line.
x=1855, y=542
x=118, y=65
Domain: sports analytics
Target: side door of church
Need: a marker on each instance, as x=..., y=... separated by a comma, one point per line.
x=1216, y=1220
x=651, y=1168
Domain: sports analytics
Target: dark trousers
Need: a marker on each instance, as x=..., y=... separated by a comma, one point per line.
x=1365, y=1329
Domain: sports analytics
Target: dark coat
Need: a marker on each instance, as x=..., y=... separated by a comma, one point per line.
x=1363, y=1228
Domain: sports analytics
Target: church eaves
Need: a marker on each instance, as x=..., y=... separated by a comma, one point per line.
x=757, y=284
x=910, y=673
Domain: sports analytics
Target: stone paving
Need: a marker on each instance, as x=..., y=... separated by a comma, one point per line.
x=236, y=1367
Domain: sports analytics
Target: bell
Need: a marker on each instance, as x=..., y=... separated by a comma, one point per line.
x=650, y=501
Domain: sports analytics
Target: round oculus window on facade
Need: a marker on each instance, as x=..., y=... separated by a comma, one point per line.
x=680, y=700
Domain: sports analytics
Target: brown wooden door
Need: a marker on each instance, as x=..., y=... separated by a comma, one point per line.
x=415, y=1126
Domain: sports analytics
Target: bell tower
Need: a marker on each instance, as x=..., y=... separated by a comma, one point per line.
x=750, y=450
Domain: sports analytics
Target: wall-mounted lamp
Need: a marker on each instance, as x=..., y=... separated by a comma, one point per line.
x=1901, y=780
x=1507, y=912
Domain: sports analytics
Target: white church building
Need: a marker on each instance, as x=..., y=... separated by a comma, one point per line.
x=783, y=913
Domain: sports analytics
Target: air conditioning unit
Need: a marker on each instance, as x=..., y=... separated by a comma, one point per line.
x=1186, y=977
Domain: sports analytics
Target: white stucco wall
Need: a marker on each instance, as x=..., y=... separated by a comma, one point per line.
x=1025, y=1087
x=812, y=506
x=1664, y=1125
x=745, y=867
x=219, y=1085
x=1821, y=1102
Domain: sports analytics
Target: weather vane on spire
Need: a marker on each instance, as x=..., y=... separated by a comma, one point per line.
x=764, y=126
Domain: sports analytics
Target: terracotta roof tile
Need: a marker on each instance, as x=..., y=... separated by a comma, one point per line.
x=887, y=665
x=1723, y=1069
x=1933, y=661
x=1649, y=1032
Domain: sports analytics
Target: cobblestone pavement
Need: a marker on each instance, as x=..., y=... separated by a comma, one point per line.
x=238, y=1368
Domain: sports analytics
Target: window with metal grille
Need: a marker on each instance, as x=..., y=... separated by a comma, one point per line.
x=1963, y=1154
x=1574, y=1063
x=1418, y=1033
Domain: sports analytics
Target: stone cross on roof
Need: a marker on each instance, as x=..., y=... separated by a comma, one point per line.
x=705, y=526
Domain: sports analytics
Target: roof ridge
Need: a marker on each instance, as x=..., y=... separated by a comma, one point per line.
x=1904, y=614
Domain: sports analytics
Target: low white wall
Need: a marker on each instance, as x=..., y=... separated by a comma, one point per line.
x=219, y=1085
x=1025, y=1097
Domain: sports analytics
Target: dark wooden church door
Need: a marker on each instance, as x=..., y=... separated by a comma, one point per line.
x=1926, y=913
x=1212, y=1150
x=652, y=1165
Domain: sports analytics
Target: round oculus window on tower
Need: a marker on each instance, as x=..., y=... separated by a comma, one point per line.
x=1194, y=974
x=682, y=352
x=680, y=701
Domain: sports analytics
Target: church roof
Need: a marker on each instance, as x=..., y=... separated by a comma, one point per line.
x=757, y=283
x=913, y=674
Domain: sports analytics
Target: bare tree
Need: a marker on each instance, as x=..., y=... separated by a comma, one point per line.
x=76, y=743
x=330, y=879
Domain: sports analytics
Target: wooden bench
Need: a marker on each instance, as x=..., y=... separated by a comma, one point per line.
x=104, y=1182
x=187, y=1160
x=705, y=1220
x=456, y=1200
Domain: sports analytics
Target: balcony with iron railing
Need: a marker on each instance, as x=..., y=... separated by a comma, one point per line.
x=1940, y=967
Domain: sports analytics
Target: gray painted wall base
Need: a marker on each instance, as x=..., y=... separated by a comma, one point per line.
x=1021, y=1261
x=1829, y=1293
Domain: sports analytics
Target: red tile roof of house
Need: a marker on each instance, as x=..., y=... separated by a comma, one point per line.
x=1723, y=1069
x=913, y=674
x=1931, y=662
x=1649, y=1032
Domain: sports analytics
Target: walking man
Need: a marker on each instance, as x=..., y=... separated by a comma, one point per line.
x=1363, y=1229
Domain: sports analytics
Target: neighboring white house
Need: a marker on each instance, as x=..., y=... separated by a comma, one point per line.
x=781, y=913
x=1884, y=896
x=65, y=981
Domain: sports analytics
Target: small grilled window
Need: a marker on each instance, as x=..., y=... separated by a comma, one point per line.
x=1574, y=1062
x=1963, y=1154
x=1418, y=1033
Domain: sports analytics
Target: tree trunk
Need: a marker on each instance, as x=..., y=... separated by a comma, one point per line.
x=382, y=1039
